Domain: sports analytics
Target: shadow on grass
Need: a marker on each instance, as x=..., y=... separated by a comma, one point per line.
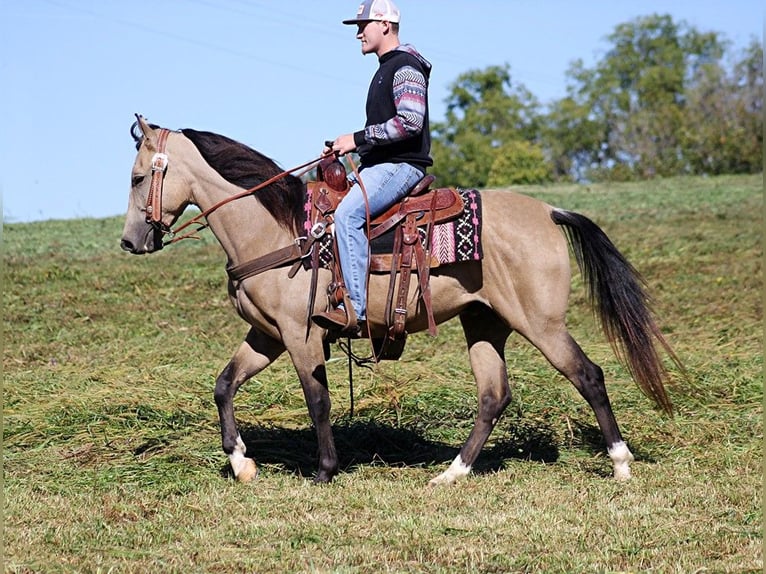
x=588, y=437
x=368, y=443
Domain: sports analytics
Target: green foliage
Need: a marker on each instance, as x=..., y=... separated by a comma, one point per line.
x=519, y=162
x=111, y=446
x=484, y=111
x=724, y=123
x=663, y=101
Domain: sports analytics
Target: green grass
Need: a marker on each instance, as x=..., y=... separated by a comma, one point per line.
x=111, y=447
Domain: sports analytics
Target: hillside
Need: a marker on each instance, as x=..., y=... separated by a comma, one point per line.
x=111, y=446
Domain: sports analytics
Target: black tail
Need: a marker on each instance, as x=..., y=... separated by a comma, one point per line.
x=617, y=293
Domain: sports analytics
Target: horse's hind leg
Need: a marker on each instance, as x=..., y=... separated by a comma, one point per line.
x=255, y=353
x=486, y=335
x=568, y=358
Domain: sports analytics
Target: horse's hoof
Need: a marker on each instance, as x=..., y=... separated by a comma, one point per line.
x=323, y=478
x=248, y=471
x=441, y=480
x=622, y=474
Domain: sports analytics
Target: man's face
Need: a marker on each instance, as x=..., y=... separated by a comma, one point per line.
x=371, y=35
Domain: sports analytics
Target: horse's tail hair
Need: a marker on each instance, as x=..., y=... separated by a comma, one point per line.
x=618, y=295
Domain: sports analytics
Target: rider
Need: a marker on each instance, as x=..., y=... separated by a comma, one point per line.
x=393, y=148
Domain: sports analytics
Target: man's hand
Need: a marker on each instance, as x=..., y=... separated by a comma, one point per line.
x=342, y=145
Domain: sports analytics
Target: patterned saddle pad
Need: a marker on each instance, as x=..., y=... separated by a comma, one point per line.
x=454, y=241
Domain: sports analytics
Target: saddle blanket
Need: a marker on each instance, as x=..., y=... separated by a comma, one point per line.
x=460, y=239
x=451, y=242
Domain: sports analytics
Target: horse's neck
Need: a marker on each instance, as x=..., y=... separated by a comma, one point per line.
x=243, y=227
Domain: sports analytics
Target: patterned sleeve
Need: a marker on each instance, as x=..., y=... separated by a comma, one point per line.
x=410, y=90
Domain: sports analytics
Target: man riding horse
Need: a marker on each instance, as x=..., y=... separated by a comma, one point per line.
x=520, y=282
x=394, y=149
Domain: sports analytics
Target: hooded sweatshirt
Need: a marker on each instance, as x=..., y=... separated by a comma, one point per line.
x=397, y=128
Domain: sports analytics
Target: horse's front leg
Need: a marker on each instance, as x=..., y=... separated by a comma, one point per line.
x=255, y=353
x=308, y=358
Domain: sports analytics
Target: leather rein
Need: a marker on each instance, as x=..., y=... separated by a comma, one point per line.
x=154, y=199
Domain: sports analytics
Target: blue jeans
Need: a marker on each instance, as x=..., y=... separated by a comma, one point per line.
x=385, y=184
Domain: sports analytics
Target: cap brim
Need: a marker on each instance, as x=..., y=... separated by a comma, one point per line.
x=355, y=21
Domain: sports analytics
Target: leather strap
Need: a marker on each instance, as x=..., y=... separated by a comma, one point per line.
x=312, y=290
x=409, y=238
x=268, y=261
x=422, y=257
x=159, y=166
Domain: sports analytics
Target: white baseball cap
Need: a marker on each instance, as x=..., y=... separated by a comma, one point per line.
x=378, y=10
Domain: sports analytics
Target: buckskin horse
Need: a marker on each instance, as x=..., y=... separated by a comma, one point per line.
x=521, y=284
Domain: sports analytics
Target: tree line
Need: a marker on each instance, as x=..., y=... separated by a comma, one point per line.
x=664, y=100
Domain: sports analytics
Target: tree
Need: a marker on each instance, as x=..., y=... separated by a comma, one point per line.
x=664, y=100
x=573, y=136
x=724, y=124
x=484, y=112
x=629, y=112
x=518, y=162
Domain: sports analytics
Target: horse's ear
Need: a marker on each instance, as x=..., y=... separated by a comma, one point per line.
x=149, y=134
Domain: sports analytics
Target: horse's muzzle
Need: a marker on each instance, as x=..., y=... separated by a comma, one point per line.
x=127, y=245
x=148, y=243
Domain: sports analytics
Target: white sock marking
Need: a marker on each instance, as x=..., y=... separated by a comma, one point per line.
x=237, y=458
x=621, y=458
x=457, y=470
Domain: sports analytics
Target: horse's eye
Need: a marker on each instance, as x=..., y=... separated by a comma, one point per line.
x=137, y=180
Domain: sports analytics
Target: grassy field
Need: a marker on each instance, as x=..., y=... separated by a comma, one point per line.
x=111, y=447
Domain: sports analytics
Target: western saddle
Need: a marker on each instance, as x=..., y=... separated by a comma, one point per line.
x=421, y=208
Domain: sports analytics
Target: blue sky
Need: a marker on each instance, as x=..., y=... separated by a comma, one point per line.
x=281, y=77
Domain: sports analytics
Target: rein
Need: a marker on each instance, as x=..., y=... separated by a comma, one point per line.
x=154, y=199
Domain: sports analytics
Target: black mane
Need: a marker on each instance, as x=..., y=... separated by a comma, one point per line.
x=246, y=168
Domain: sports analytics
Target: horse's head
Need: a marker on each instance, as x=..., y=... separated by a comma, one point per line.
x=158, y=195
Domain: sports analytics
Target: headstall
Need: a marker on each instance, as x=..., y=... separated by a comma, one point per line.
x=154, y=199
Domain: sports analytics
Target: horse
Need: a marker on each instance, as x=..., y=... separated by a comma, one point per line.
x=521, y=284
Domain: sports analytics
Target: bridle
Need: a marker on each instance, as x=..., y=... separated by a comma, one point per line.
x=153, y=208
